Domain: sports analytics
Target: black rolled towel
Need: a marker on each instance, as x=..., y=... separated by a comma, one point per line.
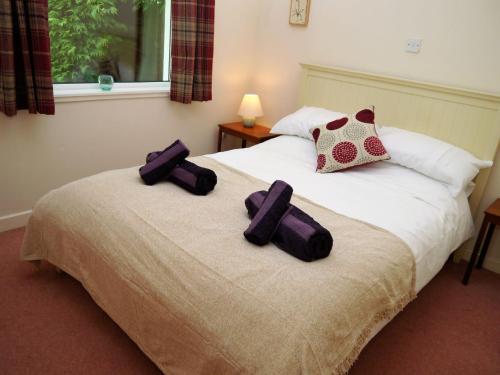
x=298, y=234
x=189, y=176
x=164, y=163
x=266, y=220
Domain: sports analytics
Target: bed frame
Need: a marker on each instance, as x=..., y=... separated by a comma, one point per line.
x=468, y=119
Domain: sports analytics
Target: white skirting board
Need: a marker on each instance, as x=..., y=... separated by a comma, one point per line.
x=490, y=263
x=13, y=221
x=465, y=251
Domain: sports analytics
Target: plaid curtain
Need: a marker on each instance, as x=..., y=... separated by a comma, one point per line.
x=25, y=69
x=192, y=50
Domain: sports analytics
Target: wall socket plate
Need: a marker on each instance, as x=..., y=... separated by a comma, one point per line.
x=413, y=45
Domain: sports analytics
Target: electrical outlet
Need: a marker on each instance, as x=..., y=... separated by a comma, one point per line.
x=413, y=45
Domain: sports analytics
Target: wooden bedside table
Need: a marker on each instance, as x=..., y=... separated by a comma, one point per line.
x=490, y=221
x=257, y=134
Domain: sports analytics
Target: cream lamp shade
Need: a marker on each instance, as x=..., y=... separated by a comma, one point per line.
x=250, y=108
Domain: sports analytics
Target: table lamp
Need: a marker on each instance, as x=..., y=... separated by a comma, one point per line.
x=250, y=108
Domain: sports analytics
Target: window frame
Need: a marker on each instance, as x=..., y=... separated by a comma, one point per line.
x=68, y=92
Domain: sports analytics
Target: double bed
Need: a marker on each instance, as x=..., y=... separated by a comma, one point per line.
x=174, y=271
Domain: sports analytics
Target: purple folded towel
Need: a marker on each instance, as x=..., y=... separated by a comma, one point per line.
x=266, y=220
x=298, y=233
x=189, y=176
x=164, y=163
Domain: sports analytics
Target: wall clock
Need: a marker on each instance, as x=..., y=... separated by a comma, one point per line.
x=299, y=12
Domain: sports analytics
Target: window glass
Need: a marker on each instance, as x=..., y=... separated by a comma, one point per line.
x=128, y=39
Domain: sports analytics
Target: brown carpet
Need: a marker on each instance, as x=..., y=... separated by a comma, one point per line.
x=50, y=325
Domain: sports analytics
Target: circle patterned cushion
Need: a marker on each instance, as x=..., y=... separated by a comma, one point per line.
x=348, y=142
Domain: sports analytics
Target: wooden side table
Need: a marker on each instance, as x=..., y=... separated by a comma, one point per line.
x=257, y=134
x=490, y=221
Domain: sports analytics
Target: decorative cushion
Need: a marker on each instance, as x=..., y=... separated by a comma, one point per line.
x=348, y=142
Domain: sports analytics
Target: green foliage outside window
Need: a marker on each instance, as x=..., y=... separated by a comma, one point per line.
x=85, y=33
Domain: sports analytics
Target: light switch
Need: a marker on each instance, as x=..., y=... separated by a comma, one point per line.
x=413, y=45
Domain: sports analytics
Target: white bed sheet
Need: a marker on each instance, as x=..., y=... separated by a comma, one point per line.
x=414, y=207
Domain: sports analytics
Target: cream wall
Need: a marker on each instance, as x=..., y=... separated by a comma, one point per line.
x=460, y=48
x=39, y=153
x=460, y=44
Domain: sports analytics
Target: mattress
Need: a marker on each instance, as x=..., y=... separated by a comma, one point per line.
x=410, y=205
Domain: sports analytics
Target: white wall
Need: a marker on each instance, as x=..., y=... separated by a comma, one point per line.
x=460, y=48
x=39, y=153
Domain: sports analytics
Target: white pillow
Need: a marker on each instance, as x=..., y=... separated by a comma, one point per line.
x=432, y=157
x=299, y=122
x=469, y=189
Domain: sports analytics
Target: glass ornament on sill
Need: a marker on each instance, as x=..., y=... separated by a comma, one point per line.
x=105, y=82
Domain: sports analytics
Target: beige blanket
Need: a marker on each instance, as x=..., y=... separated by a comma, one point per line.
x=175, y=272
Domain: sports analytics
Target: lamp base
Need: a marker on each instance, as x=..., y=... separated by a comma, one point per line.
x=249, y=122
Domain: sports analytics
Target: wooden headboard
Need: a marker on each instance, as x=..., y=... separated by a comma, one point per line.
x=465, y=118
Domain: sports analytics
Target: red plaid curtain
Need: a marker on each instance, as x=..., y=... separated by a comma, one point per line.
x=192, y=50
x=25, y=69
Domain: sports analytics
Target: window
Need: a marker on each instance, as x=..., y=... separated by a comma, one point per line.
x=128, y=39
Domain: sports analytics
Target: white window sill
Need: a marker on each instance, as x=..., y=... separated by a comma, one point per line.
x=90, y=92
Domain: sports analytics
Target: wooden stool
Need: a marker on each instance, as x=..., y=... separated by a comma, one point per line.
x=490, y=221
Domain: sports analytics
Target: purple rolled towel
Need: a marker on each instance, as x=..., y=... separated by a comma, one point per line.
x=152, y=156
x=298, y=234
x=189, y=176
x=266, y=220
x=164, y=163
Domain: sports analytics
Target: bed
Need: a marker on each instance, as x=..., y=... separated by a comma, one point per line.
x=174, y=271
